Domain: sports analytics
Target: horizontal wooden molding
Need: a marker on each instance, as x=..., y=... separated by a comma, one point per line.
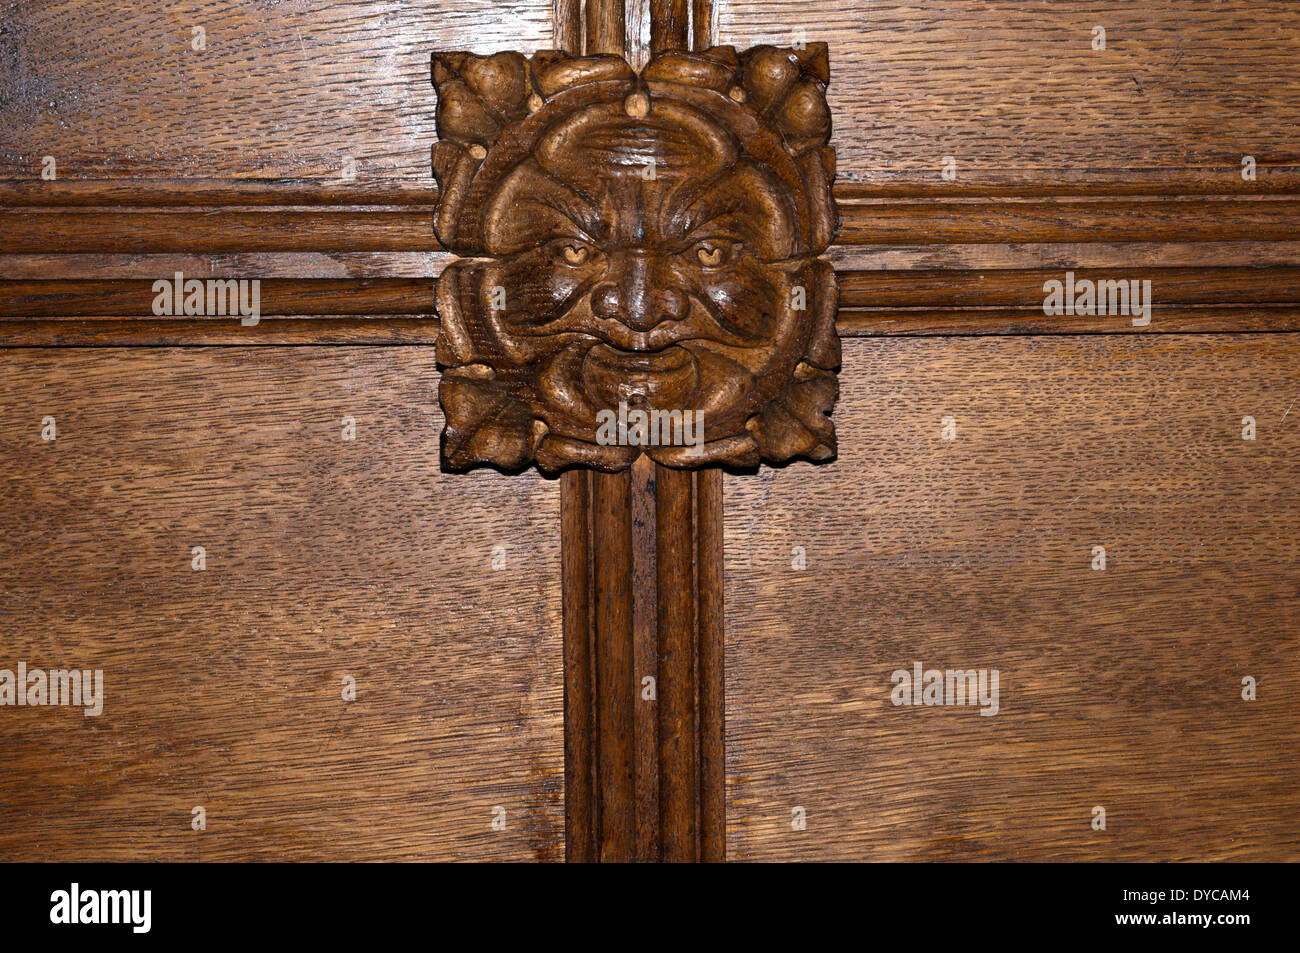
x=279, y=297
x=251, y=228
x=1023, y=287
x=153, y=231
x=201, y=332
x=970, y=322
x=1100, y=219
x=859, y=289
x=155, y=193
x=872, y=302
x=209, y=216
x=935, y=222
x=850, y=186
x=1276, y=179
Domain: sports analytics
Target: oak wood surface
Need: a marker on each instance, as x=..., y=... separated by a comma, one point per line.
x=1119, y=688
x=1010, y=88
x=643, y=635
x=325, y=558
x=1014, y=92
x=214, y=163
x=1046, y=131
x=302, y=89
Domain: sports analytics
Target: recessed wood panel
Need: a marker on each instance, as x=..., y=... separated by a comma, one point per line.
x=301, y=88
x=325, y=558
x=1014, y=91
x=1119, y=687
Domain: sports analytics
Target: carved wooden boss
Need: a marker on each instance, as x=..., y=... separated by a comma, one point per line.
x=639, y=297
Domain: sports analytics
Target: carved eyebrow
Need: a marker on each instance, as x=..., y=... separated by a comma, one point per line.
x=705, y=192
x=542, y=207
x=579, y=209
x=580, y=230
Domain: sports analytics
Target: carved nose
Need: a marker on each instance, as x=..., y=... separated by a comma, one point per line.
x=631, y=297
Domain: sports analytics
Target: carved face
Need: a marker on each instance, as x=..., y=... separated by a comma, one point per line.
x=646, y=246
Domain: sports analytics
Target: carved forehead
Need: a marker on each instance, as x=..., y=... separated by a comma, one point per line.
x=604, y=141
x=589, y=177
x=744, y=201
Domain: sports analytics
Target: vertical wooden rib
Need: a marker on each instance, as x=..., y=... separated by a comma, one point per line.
x=701, y=24
x=642, y=566
x=670, y=25
x=611, y=535
x=678, y=774
x=711, y=659
x=567, y=15
x=580, y=805
x=645, y=647
x=606, y=32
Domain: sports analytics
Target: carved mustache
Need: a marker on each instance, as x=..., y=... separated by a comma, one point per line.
x=635, y=305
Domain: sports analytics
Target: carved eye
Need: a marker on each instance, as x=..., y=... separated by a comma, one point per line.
x=575, y=253
x=713, y=252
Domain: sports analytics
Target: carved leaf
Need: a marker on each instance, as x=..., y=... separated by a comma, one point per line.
x=796, y=423
x=485, y=422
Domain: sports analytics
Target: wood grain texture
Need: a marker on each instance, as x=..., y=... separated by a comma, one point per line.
x=979, y=322
x=704, y=24
x=300, y=89
x=677, y=675
x=1043, y=128
x=126, y=298
x=1013, y=90
x=670, y=25
x=872, y=302
x=686, y=279
x=325, y=558
x=1119, y=688
x=643, y=664
x=147, y=231
x=1192, y=219
x=581, y=808
x=91, y=331
x=606, y=27
x=568, y=18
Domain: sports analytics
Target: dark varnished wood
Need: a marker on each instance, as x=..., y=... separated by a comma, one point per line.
x=1014, y=91
x=1119, y=688
x=579, y=303
x=1169, y=112
x=1194, y=219
x=581, y=806
x=325, y=558
x=644, y=601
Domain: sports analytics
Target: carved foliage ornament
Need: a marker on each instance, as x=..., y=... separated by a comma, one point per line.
x=640, y=270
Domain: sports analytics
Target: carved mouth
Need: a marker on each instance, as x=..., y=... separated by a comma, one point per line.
x=663, y=378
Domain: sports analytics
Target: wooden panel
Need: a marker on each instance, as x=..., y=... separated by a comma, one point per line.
x=1013, y=90
x=1119, y=688
x=1125, y=159
x=1062, y=220
x=325, y=558
x=306, y=88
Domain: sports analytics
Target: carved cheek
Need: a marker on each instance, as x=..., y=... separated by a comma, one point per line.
x=534, y=290
x=749, y=300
